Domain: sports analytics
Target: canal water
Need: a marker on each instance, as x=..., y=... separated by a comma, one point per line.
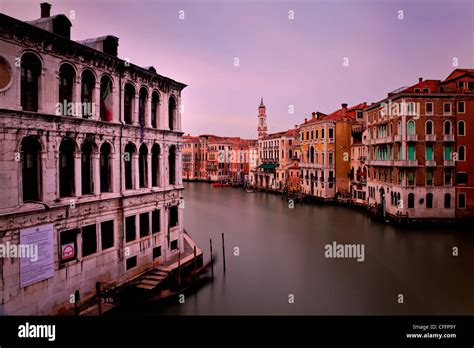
x=281, y=257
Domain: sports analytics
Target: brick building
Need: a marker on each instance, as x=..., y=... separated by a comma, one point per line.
x=418, y=162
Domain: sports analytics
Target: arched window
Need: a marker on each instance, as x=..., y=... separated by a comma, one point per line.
x=106, y=98
x=143, y=166
x=172, y=113
x=398, y=198
x=461, y=128
x=462, y=153
x=155, y=99
x=311, y=154
x=86, y=168
x=172, y=165
x=129, y=96
x=155, y=165
x=142, y=100
x=31, y=169
x=429, y=127
x=429, y=200
x=411, y=127
x=290, y=154
x=30, y=74
x=66, y=88
x=447, y=127
x=447, y=200
x=390, y=129
x=399, y=128
x=67, y=151
x=411, y=200
x=128, y=158
x=106, y=168
x=87, y=93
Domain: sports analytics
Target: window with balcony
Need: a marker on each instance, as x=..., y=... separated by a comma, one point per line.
x=87, y=93
x=447, y=128
x=429, y=152
x=429, y=177
x=106, y=98
x=411, y=152
x=67, y=75
x=411, y=178
x=66, y=168
x=128, y=165
x=129, y=97
x=106, y=168
x=429, y=127
x=447, y=153
x=411, y=127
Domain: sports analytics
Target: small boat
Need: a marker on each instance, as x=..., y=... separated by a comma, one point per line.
x=220, y=184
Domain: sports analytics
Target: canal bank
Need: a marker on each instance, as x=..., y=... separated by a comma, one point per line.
x=273, y=251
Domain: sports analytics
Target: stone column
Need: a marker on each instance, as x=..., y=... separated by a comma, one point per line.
x=77, y=174
x=95, y=157
x=177, y=167
x=135, y=171
x=96, y=102
x=135, y=118
x=148, y=112
x=161, y=169
x=76, y=98
x=148, y=170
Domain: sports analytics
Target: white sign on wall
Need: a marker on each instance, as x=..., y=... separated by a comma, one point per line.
x=33, y=270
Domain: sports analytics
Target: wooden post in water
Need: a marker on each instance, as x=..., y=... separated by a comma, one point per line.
x=99, y=298
x=212, y=259
x=179, y=268
x=223, y=250
x=76, y=303
x=195, y=263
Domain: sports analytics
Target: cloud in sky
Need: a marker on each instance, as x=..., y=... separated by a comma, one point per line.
x=297, y=62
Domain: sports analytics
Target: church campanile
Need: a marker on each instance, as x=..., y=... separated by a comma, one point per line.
x=262, y=120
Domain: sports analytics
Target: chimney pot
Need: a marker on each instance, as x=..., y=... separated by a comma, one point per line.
x=344, y=105
x=420, y=79
x=45, y=10
x=305, y=120
x=313, y=114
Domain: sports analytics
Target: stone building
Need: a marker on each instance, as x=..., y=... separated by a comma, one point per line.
x=420, y=151
x=90, y=167
x=325, y=157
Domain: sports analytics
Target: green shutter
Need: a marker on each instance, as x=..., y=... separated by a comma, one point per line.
x=447, y=153
x=411, y=128
x=411, y=153
x=429, y=153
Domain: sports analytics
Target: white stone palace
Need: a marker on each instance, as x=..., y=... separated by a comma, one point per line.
x=90, y=164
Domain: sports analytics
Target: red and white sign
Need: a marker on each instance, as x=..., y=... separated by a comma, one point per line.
x=67, y=251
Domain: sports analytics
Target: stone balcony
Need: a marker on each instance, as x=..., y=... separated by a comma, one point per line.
x=406, y=163
x=448, y=137
x=430, y=137
x=412, y=137
x=380, y=162
x=430, y=163
x=397, y=138
x=448, y=163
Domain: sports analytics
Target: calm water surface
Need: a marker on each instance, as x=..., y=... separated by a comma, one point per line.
x=282, y=253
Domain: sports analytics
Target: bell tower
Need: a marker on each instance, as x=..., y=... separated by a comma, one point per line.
x=262, y=120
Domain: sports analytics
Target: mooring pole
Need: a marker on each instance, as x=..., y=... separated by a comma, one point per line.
x=223, y=250
x=195, y=263
x=76, y=303
x=212, y=259
x=179, y=268
x=99, y=298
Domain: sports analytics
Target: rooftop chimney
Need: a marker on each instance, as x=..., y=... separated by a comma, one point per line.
x=344, y=109
x=305, y=120
x=45, y=9
x=420, y=79
x=313, y=114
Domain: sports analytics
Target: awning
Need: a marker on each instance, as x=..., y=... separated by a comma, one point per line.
x=268, y=166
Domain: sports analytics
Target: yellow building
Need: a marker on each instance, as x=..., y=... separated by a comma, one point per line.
x=325, y=152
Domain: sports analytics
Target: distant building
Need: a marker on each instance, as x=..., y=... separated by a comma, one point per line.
x=90, y=167
x=215, y=158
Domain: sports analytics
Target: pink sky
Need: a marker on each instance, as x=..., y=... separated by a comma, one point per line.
x=287, y=62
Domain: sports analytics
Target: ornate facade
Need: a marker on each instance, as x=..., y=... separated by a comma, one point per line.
x=91, y=146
